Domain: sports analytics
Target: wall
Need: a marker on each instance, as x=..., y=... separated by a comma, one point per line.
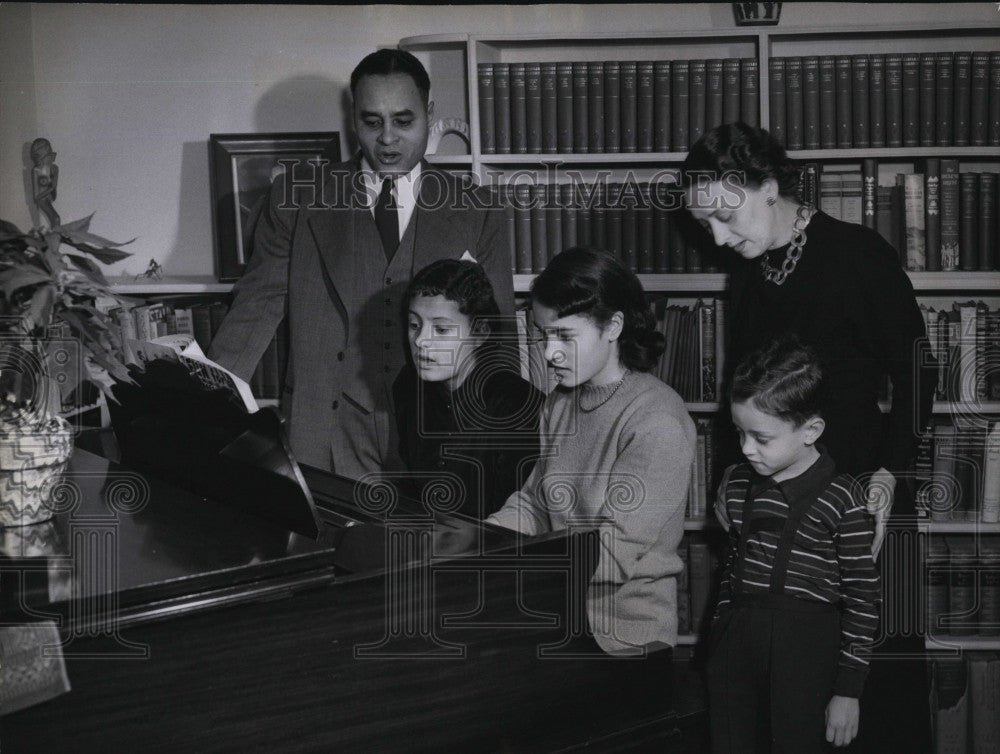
x=128, y=94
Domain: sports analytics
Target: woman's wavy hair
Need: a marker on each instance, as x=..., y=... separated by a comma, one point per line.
x=751, y=153
x=582, y=280
x=782, y=379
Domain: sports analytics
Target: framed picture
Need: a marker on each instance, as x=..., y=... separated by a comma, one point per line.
x=243, y=166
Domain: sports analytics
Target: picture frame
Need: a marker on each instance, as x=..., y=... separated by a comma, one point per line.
x=242, y=168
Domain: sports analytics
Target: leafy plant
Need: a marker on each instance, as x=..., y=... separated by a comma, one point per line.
x=46, y=289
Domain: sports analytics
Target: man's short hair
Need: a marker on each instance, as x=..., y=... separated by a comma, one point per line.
x=389, y=61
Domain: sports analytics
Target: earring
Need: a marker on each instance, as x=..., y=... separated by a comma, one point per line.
x=770, y=201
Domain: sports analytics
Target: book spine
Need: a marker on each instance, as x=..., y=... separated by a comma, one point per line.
x=613, y=221
x=876, y=99
x=697, y=95
x=851, y=198
x=730, y=90
x=927, y=115
x=510, y=220
x=809, y=184
x=599, y=218
x=829, y=194
x=883, y=214
x=714, y=98
x=581, y=127
x=827, y=102
x=987, y=221
x=962, y=76
x=993, y=119
x=982, y=313
x=595, y=106
x=628, y=211
x=518, y=110
x=750, y=91
x=553, y=223
x=487, y=135
x=869, y=192
x=844, y=76
x=979, y=99
x=661, y=106
x=569, y=216
x=679, y=105
x=944, y=462
x=898, y=203
x=776, y=98
x=628, y=105
x=810, y=102
x=911, y=100
x=793, y=103
x=893, y=100
x=564, y=107
x=661, y=229
x=968, y=245
x=644, y=121
x=932, y=212
x=584, y=221
x=859, y=102
x=539, y=231
x=944, y=86
x=612, y=106
x=916, y=250
x=501, y=103
x=943, y=353
x=522, y=222
x=675, y=249
x=644, y=232
x=950, y=214
x=706, y=323
x=550, y=108
x=533, y=107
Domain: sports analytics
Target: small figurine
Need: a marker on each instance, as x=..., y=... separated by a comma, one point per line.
x=45, y=180
x=154, y=271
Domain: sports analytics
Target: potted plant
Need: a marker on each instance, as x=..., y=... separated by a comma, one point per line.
x=47, y=302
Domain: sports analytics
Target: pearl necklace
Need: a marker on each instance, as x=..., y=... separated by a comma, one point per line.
x=777, y=276
x=610, y=395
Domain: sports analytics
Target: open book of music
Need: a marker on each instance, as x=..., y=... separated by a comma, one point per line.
x=183, y=349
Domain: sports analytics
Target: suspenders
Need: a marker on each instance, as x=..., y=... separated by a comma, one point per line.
x=776, y=596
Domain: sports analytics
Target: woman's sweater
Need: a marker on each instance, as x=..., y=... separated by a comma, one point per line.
x=622, y=454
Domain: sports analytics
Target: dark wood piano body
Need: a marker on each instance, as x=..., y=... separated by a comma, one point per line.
x=231, y=634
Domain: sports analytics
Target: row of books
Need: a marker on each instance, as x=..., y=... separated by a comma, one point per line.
x=928, y=99
x=620, y=218
x=939, y=219
x=965, y=340
x=701, y=491
x=965, y=697
x=965, y=474
x=201, y=320
x=697, y=584
x=694, y=359
x=612, y=106
x=963, y=586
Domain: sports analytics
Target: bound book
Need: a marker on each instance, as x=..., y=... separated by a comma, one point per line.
x=793, y=103
x=539, y=231
x=827, y=102
x=979, y=99
x=661, y=106
x=697, y=95
x=894, y=100
x=859, y=101
x=968, y=246
x=679, y=108
x=644, y=105
x=911, y=100
x=750, y=91
x=844, y=77
x=564, y=107
x=595, y=106
x=916, y=247
x=944, y=84
x=550, y=127
x=962, y=77
x=927, y=112
x=501, y=103
x=730, y=90
x=714, y=101
x=993, y=119
x=487, y=135
x=869, y=192
x=950, y=215
x=518, y=110
x=876, y=100
x=533, y=107
x=581, y=108
x=776, y=99
x=612, y=106
x=987, y=221
x=810, y=102
x=628, y=105
x=932, y=212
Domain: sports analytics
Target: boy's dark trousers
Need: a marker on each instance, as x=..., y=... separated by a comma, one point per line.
x=772, y=658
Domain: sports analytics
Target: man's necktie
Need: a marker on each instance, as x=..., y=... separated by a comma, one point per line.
x=387, y=219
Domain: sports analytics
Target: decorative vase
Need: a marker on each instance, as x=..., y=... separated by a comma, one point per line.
x=32, y=458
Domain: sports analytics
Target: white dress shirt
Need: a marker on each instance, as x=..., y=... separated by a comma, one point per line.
x=403, y=191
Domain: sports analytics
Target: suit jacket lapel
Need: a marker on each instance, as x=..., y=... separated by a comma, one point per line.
x=332, y=229
x=438, y=228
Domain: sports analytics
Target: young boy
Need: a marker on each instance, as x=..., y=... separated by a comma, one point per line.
x=798, y=603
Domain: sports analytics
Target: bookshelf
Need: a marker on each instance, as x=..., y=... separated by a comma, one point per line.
x=456, y=59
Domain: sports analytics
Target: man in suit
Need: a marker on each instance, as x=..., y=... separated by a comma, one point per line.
x=335, y=256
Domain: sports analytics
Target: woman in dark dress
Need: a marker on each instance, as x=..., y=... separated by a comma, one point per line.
x=841, y=289
x=465, y=415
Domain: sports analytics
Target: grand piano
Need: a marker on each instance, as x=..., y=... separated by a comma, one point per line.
x=187, y=623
